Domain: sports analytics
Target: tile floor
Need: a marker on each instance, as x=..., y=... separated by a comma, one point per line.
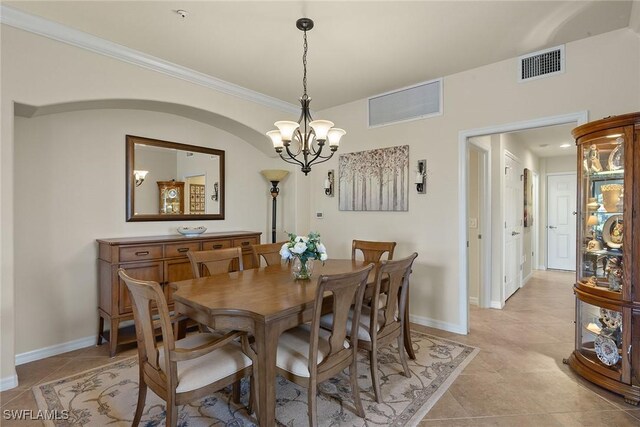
x=517, y=379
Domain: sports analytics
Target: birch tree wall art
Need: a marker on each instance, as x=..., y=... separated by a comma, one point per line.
x=374, y=180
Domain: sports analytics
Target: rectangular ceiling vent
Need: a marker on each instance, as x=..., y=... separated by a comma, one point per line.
x=410, y=103
x=543, y=63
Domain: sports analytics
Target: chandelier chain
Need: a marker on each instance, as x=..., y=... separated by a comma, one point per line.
x=304, y=65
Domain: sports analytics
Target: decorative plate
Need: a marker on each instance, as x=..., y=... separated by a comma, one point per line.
x=606, y=350
x=610, y=318
x=612, y=231
x=173, y=193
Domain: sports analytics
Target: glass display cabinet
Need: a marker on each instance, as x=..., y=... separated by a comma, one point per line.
x=171, y=197
x=607, y=349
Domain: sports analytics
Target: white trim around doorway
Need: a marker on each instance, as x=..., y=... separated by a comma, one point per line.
x=579, y=118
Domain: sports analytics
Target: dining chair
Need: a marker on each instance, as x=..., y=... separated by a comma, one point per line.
x=215, y=261
x=372, y=251
x=381, y=327
x=270, y=252
x=308, y=355
x=180, y=371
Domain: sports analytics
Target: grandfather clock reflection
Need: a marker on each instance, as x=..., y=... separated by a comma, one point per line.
x=274, y=176
x=171, y=200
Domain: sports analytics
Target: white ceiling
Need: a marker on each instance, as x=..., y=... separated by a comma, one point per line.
x=357, y=48
x=547, y=141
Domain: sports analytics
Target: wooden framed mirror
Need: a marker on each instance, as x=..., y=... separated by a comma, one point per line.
x=168, y=181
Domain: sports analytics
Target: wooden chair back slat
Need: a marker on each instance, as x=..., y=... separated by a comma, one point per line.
x=372, y=251
x=346, y=289
x=270, y=252
x=145, y=295
x=396, y=274
x=216, y=261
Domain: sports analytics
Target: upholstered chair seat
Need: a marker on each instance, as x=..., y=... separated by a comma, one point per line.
x=364, y=332
x=293, y=349
x=214, y=366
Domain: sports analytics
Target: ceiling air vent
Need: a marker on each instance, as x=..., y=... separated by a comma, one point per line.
x=410, y=103
x=543, y=63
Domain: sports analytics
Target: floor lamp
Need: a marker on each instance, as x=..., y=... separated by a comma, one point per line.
x=274, y=176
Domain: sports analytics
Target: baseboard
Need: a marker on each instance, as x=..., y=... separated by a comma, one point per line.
x=438, y=324
x=8, y=383
x=542, y=267
x=473, y=300
x=526, y=279
x=497, y=304
x=54, y=350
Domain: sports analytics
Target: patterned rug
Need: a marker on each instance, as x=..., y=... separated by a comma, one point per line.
x=106, y=396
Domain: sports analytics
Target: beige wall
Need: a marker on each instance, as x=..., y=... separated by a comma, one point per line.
x=39, y=71
x=81, y=154
x=477, y=98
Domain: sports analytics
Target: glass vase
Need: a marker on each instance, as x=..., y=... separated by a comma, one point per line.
x=302, y=269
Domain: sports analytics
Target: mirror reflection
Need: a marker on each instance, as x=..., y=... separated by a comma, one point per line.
x=172, y=181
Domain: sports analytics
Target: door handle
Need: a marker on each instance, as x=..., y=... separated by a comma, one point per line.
x=514, y=233
x=553, y=227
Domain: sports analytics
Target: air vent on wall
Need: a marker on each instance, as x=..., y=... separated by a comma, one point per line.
x=543, y=63
x=410, y=103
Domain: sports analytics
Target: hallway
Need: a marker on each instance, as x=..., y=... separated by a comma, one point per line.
x=518, y=378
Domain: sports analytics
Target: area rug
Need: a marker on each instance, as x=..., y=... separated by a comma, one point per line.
x=106, y=396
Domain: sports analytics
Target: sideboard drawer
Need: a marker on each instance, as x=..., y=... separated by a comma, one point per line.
x=180, y=249
x=216, y=244
x=140, y=253
x=245, y=243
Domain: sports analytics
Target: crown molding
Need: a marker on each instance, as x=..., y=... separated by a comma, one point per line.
x=62, y=33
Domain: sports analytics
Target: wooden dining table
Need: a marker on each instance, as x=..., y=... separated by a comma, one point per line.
x=264, y=302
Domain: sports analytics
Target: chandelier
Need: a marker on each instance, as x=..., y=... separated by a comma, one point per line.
x=301, y=143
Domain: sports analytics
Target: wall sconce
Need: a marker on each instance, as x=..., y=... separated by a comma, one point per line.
x=421, y=177
x=215, y=194
x=139, y=177
x=328, y=183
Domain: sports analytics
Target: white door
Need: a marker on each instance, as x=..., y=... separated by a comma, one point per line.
x=513, y=211
x=561, y=221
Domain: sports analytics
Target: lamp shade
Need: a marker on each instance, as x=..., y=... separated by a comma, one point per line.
x=334, y=136
x=274, y=174
x=287, y=129
x=275, y=138
x=321, y=128
x=140, y=174
x=593, y=220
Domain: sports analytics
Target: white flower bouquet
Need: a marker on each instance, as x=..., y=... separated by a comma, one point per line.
x=303, y=249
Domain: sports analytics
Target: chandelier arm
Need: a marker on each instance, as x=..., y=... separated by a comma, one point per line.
x=316, y=156
x=324, y=159
x=292, y=156
x=289, y=160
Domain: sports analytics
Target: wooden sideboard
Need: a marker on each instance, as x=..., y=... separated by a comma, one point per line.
x=162, y=259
